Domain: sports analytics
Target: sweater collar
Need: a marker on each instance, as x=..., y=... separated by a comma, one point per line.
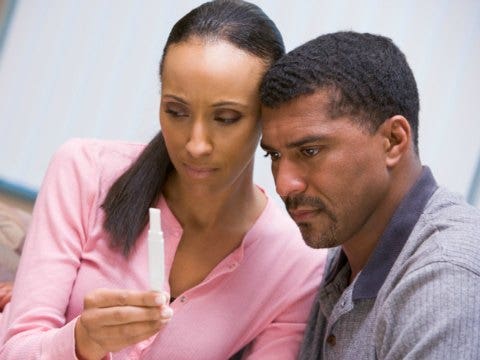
x=394, y=237
x=391, y=243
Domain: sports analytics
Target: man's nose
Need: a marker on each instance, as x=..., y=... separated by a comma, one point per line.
x=199, y=143
x=289, y=179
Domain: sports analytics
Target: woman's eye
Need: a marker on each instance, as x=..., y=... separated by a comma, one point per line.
x=227, y=117
x=227, y=121
x=174, y=107
x=273, y=155
x=176, y=113
x=309, y=152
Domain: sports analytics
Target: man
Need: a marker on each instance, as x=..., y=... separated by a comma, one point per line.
x=340, y=123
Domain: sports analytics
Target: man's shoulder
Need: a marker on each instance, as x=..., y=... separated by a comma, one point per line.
x=448, y=231
x=444, y=242
x=450, y=210
x=440, y=256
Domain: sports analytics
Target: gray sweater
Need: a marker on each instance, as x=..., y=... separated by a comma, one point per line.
x=418, y=296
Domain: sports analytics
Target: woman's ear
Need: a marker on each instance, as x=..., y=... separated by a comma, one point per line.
x=397, y=138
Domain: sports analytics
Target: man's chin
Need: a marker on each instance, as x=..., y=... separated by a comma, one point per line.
x=317, y=239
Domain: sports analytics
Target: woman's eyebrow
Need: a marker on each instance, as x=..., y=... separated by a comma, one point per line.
x=177, y=98
x=228, y=102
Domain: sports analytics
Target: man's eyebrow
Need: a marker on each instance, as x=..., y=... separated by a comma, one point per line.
x=265, y=146
x=305, y=140
x=302, y=141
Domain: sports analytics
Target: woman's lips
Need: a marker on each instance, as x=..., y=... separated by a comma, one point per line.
x=199, y=172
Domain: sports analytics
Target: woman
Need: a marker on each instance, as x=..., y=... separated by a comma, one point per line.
x=239, y=274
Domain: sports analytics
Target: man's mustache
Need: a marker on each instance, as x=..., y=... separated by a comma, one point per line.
x=293, y=202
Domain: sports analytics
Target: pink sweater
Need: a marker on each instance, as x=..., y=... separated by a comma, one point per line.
x=259, y=295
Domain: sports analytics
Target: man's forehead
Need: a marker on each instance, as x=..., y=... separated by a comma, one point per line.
x=317, y=104
x=306, y=110
x=305, y=122
x=294, y=132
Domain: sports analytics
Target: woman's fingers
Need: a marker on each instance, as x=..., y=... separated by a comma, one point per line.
x=106, y=307
x=130, y=333
x=118, y=315
x=119, y=297
x=117, y=337
x=112, y=329
x=115, y=319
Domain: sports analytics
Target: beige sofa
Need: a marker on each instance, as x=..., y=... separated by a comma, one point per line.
x=13, y=227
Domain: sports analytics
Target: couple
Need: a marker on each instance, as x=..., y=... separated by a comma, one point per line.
x=338, y=116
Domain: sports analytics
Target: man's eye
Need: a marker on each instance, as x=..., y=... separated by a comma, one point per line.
x=309, y=152
x=273, y=155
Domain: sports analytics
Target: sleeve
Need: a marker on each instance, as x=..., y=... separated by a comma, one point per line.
x=282, y=338
x=34, y=324
x=433, y=313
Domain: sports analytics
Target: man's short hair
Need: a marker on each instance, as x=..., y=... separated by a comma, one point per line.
x=367, y=76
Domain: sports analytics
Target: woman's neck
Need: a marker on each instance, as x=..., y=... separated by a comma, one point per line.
x=204, y=209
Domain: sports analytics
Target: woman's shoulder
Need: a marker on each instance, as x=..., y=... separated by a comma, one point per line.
x=94, y=161
x=96, y=148
x=105, y=156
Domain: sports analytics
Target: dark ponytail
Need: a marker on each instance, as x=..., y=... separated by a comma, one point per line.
x=238, y=22
x=134, y=192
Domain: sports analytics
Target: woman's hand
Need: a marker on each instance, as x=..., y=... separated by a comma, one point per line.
x=114, y=319
x=5, y=294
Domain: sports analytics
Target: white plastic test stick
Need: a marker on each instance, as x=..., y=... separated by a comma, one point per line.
x=156, y=254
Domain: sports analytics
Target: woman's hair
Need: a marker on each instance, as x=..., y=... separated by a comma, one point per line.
x=240, y=23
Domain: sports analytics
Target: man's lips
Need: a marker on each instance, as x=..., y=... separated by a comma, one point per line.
x=301, y=215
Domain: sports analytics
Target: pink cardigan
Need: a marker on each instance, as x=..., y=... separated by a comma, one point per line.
x=259, y=296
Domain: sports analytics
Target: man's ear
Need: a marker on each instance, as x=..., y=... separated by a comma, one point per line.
x=397, y=138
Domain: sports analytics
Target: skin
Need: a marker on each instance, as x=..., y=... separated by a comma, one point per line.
x=209, y=116
x=5, y=294
x=341, y=182
x=113, y=319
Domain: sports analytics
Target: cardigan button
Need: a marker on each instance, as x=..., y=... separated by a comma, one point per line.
x=331, y=340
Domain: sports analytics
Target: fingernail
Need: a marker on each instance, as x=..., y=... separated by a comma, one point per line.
x=166, y=312
x=160, y=299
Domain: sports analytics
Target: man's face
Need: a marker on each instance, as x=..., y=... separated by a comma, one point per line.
x=331, y=173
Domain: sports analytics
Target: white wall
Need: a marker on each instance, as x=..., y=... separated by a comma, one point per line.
x=89, y=69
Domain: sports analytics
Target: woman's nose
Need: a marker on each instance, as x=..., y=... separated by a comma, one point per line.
x=199, y=143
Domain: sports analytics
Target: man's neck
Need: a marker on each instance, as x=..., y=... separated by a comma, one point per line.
x=360, y=247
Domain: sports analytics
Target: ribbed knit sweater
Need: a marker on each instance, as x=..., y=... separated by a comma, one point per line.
x=418, y=296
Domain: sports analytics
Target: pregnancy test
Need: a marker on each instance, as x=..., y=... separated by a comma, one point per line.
x=156, y=254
